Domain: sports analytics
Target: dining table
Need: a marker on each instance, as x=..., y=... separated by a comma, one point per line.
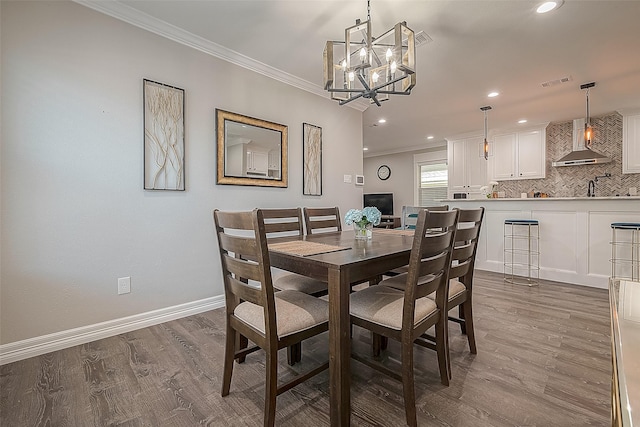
x=341, y=260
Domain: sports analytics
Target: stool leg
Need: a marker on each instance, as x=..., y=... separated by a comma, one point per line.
x=613, y=253
x=529, y=252
x=635, y=261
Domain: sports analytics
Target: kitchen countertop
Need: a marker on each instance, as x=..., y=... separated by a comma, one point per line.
x=545, y=199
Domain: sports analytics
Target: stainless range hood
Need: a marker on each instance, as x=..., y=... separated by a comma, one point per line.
x=580, y=155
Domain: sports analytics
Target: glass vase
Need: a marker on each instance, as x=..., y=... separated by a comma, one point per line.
x=363, y=232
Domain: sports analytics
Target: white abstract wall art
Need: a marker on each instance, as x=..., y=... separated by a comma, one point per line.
x=163, y=137
x=312, y=153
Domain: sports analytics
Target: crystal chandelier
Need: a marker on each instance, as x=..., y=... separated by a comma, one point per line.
x=364, y=66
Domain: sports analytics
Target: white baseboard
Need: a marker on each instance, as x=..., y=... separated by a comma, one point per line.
x=31, y=347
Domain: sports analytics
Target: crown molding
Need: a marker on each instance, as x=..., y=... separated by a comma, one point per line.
x=142, y=20
x=432, y=146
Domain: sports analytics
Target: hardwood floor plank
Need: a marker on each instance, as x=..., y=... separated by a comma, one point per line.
x=543, y=360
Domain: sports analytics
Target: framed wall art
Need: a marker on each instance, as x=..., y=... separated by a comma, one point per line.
x=312, y=160
x=251, y=151
x=163, y=137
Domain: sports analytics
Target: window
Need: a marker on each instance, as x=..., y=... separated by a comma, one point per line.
x=433, y=181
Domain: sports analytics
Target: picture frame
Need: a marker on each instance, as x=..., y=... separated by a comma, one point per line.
x=312, y=160
x=251, y=151
x=163, y=123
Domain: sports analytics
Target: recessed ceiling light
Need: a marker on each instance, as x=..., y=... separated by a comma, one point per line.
x=548, y=6
x=365, y=149
x=522, y=121
x=493, y=94
x=430, y=137
x=382, y=121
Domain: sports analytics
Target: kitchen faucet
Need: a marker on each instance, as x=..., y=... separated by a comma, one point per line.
x=591, y=192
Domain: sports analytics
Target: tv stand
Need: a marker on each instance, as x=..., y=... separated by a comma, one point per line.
x=389, y=221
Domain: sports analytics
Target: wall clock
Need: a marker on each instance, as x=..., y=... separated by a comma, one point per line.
x=384, y=172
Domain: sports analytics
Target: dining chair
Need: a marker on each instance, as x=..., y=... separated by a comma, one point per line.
x=322, y=219
x=408, y=222
x=410, y=215
x=404, y=315
x=460, y=278
x=288, y=222
x=271, y=320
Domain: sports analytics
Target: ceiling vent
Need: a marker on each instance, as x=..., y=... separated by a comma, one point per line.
x=422, y=38
x=556, y=82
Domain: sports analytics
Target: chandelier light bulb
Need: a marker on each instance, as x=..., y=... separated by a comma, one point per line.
x=394, y=66
x=363, y=53
x=389, y=54
x=375, y=77
x=344, y=65
x=352, y=76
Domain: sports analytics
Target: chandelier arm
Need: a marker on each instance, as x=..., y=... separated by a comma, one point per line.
x=368, y=92
x=353, y=98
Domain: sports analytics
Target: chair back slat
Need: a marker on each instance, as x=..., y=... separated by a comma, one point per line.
x=467, y=234
x=245, y=292
x=410, y=214
x=322, y=219
x=282, y=222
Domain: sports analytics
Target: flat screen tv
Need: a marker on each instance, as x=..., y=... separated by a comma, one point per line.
x=382, y=201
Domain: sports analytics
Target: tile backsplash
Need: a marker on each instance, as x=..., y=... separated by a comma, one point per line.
x=573, y=181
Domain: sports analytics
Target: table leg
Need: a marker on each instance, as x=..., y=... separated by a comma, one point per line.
x=339, y=348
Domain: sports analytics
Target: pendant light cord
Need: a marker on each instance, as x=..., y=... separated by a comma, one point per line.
x=588, y=117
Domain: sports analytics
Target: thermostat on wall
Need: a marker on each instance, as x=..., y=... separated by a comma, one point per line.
x=359, y=179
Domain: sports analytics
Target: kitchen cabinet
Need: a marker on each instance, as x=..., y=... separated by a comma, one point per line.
x=630, y=141
x=274, y=160
x=257, y=162
x=467, y=167
x=519, y=154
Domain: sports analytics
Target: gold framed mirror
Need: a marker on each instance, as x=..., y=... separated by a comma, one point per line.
x=251, y=151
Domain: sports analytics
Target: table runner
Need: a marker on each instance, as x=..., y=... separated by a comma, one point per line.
x=394, y=231
x=304, y=248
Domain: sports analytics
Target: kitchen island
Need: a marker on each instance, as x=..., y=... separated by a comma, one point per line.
x=575, y=233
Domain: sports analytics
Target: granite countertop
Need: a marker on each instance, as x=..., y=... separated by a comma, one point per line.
x=545, y=199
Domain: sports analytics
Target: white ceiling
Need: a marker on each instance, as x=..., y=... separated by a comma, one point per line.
x=478, y=46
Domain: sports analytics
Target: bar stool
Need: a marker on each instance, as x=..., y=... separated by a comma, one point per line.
x=521, y=251
x=629, y=259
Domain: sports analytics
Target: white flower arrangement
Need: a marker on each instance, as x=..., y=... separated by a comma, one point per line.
x=368, y=215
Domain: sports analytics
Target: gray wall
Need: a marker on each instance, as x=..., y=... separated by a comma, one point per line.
x=74, y=214
x=402, y=180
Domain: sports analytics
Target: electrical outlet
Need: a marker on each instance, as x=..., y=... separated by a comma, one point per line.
x=347, y=179
x=124, y=285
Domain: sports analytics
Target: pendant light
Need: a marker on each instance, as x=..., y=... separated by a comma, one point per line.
x=485, y=144
x=588, y=130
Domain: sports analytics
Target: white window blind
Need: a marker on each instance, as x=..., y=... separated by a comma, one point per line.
x=433, y=183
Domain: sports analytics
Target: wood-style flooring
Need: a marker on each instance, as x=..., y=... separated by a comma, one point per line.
x=543, y=360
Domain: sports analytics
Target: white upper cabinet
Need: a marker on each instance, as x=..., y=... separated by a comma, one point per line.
x=519, y=154
x=467, y=168
x=630, y=141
